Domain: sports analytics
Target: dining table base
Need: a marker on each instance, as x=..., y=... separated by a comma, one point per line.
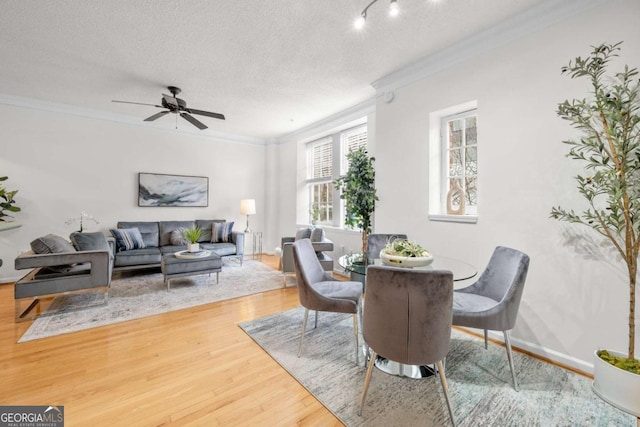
x=400, y=369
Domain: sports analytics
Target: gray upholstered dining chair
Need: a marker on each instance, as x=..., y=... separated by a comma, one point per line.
x=492, y=302
x=407, y=319
x=375, y=243
x=320, y=292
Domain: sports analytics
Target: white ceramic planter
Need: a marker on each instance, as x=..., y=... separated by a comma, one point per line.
x=616, y=386
x=193, y=247
x=402, y=261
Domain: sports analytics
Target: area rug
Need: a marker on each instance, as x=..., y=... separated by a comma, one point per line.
x=479, y=380
x=136, y=295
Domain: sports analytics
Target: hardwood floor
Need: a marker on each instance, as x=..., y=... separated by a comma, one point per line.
x=187, y=367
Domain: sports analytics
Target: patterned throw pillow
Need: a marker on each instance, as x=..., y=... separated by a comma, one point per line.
x=177, y=237
x=221, y=232
x=51, y=244
x=128, y=238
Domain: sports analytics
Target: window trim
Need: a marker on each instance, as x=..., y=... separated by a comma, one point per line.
x=437, y=173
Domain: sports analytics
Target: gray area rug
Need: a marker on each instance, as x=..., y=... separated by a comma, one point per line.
x=479, y=381
x=139, y=295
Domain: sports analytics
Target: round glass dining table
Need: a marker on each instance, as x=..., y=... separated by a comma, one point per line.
x=358, y=272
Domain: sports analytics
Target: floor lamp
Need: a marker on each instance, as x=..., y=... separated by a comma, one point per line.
x=247, y=207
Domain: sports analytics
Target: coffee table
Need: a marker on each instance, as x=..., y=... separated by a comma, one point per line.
x=184, y=263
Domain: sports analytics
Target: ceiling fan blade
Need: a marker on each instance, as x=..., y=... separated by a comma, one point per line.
x=156, y=116
x=194, y=121
x=137, y=103
x=170, y=100
x=206, y=113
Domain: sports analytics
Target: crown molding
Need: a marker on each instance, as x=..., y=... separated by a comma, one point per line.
x=55, y=107
x=534, y=19
x=335, y=122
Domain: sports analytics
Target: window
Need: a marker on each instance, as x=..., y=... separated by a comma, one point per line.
x=326, y=162
x=453, y=164
x=460, y=157
x=320, y=180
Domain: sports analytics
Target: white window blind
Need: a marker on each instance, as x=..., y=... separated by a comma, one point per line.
x=322, y=159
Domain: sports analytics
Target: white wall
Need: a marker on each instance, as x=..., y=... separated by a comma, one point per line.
x=572, y=303
x=63, y=164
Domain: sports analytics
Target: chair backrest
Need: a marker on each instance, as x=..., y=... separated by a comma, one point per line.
x=408, y=313
x=308, y=271
x=375, y=243
x=504, y=277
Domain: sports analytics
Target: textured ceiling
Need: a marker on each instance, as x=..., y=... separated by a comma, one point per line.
x=272, y=67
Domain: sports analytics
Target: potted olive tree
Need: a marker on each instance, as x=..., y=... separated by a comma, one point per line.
x=359, y=192
x=609, y=147
x=7, y=206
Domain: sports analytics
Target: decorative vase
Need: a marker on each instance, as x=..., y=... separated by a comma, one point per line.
x=616, y=386
x=193, y=247
x=403, y=261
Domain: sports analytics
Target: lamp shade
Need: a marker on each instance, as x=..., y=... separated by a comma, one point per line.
x=247, y=206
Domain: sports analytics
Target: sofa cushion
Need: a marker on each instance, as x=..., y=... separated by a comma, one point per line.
x=177, y=237
x=51, y=244
x=221, y=232
x=317, y=234
x=128, y=238
x=89, y=241
x=148, y=229
x=222, y=249
x=167, y=227
x=138, y=257
x=205, y=226
x=303, y=233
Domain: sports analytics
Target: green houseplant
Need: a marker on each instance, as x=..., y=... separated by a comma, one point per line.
x=192, y=235
x=7, y=202
x=609, y=147
x=358, y=190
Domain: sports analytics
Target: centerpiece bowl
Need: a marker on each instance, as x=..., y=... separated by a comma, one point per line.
x=405, y=261
x=404, y=253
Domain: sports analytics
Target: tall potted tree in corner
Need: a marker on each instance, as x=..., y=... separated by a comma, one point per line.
x=358, y=190
x=609, y=147
x=7, y=207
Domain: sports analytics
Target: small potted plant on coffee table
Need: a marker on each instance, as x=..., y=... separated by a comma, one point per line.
x=192, y=235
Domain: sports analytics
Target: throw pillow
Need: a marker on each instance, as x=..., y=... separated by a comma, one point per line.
x=51, y=244
x=128, y=238
x=221, y=232
x=177, y=237
x=89, y=241
x=303, y=233
x=317, y=235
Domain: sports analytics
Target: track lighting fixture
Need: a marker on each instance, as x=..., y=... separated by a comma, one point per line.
x=362, y=19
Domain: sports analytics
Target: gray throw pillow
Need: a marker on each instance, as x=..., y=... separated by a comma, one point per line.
x=90, y=241
x=177, y=237
x=51, y=244
x=303, y=233
x=317, y=235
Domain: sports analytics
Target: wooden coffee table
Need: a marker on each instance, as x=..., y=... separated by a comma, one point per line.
x=184, y=263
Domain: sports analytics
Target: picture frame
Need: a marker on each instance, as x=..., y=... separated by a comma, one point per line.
x=163, y=190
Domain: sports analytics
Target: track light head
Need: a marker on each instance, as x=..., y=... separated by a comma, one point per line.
x=393, y=8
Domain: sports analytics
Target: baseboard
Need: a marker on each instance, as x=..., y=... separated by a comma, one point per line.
x=539, y=352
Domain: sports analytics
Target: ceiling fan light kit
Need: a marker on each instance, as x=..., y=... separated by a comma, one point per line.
x=175, y=105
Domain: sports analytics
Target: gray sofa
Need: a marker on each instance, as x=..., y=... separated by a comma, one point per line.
x=157, y=238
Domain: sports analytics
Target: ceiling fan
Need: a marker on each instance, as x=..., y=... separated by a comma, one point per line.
x=177, y=106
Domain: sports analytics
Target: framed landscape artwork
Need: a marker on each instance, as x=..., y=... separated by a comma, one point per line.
x=172, y=190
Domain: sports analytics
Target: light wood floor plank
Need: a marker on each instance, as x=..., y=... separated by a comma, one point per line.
x=188, y=367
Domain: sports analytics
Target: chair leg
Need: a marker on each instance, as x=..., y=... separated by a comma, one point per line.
x=366, y=382
x=304, y=327
x=315, y=326
x=445, y=388
x=507, y=344
x=486, y=339
x=355, y=335
x=284, y=280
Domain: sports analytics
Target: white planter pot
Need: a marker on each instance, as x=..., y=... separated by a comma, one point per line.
x=403, y=261
x=618, y=387
x=193, y=247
